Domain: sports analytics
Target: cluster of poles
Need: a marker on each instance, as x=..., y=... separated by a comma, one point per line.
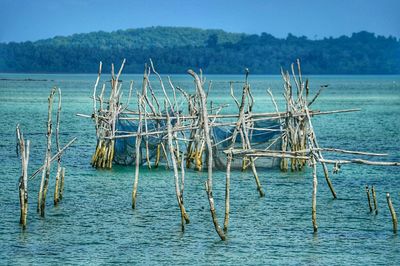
x=374, y=209
x=23, y=152
x=180, y=133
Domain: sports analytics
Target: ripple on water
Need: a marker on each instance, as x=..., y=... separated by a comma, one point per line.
x=95, y=224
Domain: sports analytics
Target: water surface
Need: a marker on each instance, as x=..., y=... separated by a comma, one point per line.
x=94, y=223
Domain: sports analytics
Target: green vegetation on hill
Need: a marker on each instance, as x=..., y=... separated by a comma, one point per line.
x=174, y=50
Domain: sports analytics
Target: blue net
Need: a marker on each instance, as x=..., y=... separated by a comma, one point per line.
x=125, y=151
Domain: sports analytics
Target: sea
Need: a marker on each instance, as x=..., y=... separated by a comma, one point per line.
x=94, y=224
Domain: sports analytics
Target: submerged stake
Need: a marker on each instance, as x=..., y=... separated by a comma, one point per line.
x=392, y=212
x=369, y=198
x=375, y=202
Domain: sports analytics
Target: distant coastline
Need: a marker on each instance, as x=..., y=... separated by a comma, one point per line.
x=176, y=49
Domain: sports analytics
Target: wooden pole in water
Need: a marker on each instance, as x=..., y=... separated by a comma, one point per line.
x=56, y=187
x=314, y=195
x=392, y=212
x=369, y=198
x=227, y=189
x=374, y=198
x=138, y=153
x=179, y=197
x=95, y=112
x=240, y=127
x=61, y=192
x=314, y=143
x=23, y=180
x=206, y=133
x=46, y=170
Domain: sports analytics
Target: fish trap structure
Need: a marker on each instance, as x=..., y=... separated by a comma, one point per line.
x=186, y=130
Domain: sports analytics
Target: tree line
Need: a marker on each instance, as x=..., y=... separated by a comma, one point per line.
x=174, y=50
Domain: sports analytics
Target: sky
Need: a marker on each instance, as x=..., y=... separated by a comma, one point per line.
x=23, y=20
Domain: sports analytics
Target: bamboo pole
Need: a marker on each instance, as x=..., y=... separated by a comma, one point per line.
x=227, y=190
x=61, y=192
x=314, y=143
x=53, y=158
x=106, y=122
x=359, y=161
x=23, y=180
x=392, y=212
x=375, y=201
x=253, y=167
x=146, y=138
x=138, y=153
x=240, y=127
x=179, y=196
x=206, y=132
x=314, y=195
x=56, y=187
x=267, y=118
x=256, y=116
x=46, y=171
x=95, y=112
x=369, y=198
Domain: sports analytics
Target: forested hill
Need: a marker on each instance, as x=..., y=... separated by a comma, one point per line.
x=176, y=49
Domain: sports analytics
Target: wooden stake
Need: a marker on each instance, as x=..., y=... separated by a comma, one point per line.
x=179, y=196
x=61, y=192
x=138, y=154
x=392, y=212
x=369, y=199
x=56, y=187
x=227, y=190
x=314, y=195
x=374, y=198
x=206, y=131
x=95, y=114
x=46, y=171
x=23, y=180
x=314, y=143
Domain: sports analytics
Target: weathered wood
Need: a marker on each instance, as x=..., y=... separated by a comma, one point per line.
x=299, y=141
x=359, y=161
x=314, y=143
x=253, y=167
x=95, y=113
x=61, y=191
x=255, y=116
x=392, y=212
x=240, y=127
x=57, y=183
x=105, y=120
x=369, y=198
x=314, y=195
x=179, y=196
x=57, y=186
x=375, y=201
x=54, y=157
x=206, y=131
x=46, y=170
x=352, y=152
x=137, y=154
x=23, y=180
x=227, y=190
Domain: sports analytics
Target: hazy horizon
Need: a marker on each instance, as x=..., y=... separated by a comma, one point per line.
x=24, y=20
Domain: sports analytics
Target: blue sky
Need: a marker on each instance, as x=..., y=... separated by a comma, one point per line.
x=22, y=20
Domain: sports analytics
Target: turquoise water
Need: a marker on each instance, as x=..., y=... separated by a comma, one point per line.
x=94, y=223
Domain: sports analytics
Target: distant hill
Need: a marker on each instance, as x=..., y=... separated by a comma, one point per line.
x=175, y=49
